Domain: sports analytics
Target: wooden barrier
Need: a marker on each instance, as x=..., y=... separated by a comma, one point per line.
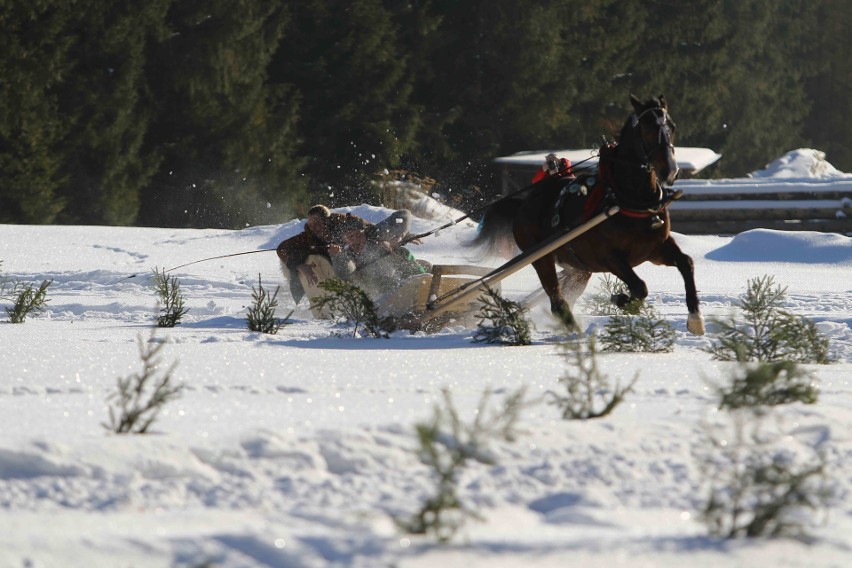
x=733, y=206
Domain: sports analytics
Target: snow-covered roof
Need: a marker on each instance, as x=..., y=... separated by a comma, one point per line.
x=688, y=159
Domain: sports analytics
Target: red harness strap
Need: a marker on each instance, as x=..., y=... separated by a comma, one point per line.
x=639, y=214
x=605, y=181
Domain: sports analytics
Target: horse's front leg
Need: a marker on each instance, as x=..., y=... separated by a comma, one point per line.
x=673, y=256
x=637, y=287
x=545, y=267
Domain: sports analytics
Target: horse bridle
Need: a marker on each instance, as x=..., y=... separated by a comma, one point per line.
x=664, y=134
x=665, y=126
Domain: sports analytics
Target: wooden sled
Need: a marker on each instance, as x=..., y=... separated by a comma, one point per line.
x=411, y=300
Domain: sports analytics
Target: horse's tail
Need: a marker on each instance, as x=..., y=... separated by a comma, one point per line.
x=494, y=235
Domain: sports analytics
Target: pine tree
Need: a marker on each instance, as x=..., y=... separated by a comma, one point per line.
x=226, y=132
x=603, y=43
x=764, y=99
x=260, y=316
x=497, y=84
x=768, y=333
x=692, y=66
x=34, y=50
x=107, y=165
x=501, y=321
x=170, y=298
x=830, y=121
x=356, y=118
x=644, y=332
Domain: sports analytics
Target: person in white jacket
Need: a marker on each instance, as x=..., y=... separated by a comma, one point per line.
x=372, y=257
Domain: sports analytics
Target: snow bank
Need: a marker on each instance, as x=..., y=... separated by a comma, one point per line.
x=299, y=449
x=801, y=163
x=766, y=245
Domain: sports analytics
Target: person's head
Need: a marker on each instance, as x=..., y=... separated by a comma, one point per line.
x=317, y=216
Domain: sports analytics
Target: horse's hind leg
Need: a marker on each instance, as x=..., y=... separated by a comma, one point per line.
x=671, y=255
x=573, y=282
x=546, y=270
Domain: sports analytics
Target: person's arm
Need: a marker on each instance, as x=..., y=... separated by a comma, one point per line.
x=390, y=232
x=341, y=261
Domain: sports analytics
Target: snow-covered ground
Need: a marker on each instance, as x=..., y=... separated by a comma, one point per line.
x=297, y=449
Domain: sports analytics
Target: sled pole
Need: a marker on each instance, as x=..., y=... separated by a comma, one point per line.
x=469, y=290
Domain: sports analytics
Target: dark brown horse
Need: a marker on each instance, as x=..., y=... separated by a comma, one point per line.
x=634, y=174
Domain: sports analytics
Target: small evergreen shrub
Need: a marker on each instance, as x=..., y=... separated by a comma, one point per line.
x=447, y=445
x=7, y=287
x=170, y=298
x=758, y=486
x=347, y=302
x=261, y=314
x=600, y=303
x=502, y=321
x=27, y=300
x=768, y=384
x=767, y=332
x=588, y=393
x=645, y=332
x=140, y=397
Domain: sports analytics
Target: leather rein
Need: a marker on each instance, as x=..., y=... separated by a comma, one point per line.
x=653, y=205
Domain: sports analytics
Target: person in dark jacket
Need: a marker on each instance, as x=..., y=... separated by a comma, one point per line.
x=322, y=229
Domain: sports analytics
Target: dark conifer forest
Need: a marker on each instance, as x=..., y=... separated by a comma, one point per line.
x=214, y=113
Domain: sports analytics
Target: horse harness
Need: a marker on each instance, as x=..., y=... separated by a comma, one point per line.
x=600, y=192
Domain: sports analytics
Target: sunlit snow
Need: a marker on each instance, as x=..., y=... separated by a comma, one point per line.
x=297, y=449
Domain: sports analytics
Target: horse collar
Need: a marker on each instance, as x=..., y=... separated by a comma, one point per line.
x=649, y=209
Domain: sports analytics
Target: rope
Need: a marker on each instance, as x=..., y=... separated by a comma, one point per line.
x=572, y=170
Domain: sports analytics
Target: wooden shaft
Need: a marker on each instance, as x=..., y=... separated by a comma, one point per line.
x=516, y=264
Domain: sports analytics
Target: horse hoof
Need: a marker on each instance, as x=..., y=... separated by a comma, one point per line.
x=619, y=300
x=567, y=321
x=562, y=311
x=695, y=324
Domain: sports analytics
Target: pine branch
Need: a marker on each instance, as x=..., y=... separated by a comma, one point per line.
x=28, y=300
x=447, y=445
x=586, y=388
x=134, y=409
x=170, y=297
x=767, y=333
x=261, y=314
x=501, y=321
x=346, y=301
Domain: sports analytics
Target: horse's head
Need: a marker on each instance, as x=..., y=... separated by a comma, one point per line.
x=649, y=134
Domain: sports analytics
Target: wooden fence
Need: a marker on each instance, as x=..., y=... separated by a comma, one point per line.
x=731, y=206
